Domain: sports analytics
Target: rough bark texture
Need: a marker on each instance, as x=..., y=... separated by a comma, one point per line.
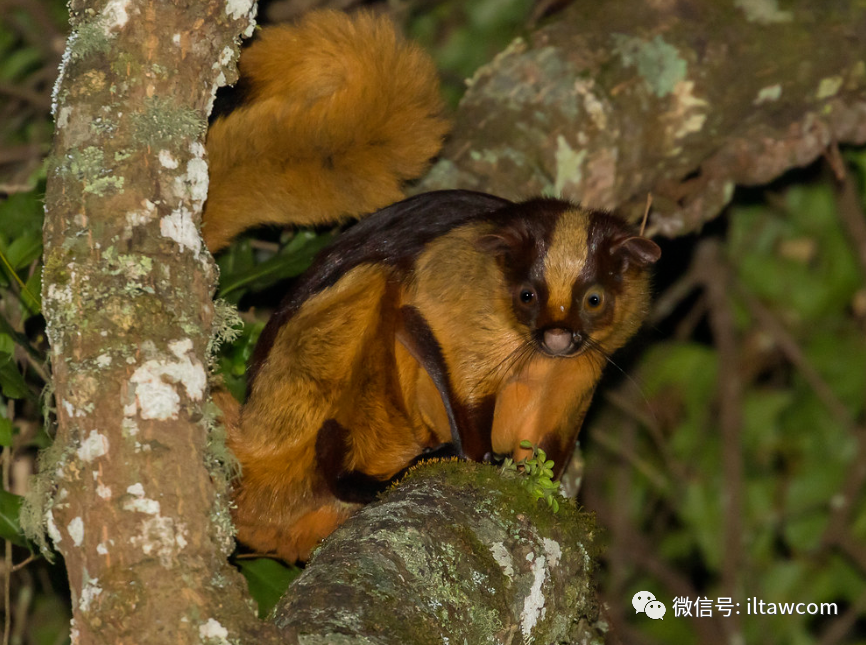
x=456, y=554
x=681, y=98
x=131, y=503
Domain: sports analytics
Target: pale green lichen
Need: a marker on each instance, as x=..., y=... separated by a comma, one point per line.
x=160, y=71
x=88, y=167
x=829, y=87
x=658, y=63
x=219, y=458
x=39, y=499
x=100, y=126
x=768, y=94
x=446, y=174
x=569, y=165
x=765, y=12
x=220, y=462
x=515, y=48
x=495, y=157
x=135, y=267
x=91, y=39
x=125, y=65
x=162, y=120
x=84, y=163
x=484, y=156
x=449, y=583
x=496, y=81
x=103, y=185
x=226, y=327
x=559, y=90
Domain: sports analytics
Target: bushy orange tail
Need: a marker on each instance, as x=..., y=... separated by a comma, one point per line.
x=340, y=112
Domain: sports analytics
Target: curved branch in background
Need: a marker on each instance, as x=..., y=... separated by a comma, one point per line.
x=682, y=99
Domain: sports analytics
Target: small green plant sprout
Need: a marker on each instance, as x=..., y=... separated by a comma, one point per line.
x=538, y=474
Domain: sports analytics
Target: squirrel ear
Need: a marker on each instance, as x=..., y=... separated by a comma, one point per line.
x=640, y=250
x=497, y=244
x=509, y=241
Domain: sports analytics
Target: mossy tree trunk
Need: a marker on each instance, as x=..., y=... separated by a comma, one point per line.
x=131, y=503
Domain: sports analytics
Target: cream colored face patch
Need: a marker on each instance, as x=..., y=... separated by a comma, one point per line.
x=565, y=259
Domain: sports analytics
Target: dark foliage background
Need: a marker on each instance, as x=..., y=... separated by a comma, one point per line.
x=725, y=455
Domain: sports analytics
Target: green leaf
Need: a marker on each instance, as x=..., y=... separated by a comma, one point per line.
x=234, y=358
x=19, y=63
x=688, y=367
x=11, y=382
x=236, y=259
x=5, y=432
x=804, y=533
x=701, y=510
x=762, y=432
x=32, y=298
x=847, y=378
x=41, y=440
x=10, y=510
x=292, y=260
x=268, y=581
x=21, y=213
x=796, y=257
x=24, y=250
x=48, y=620
x=20, y=339
x=833, y=577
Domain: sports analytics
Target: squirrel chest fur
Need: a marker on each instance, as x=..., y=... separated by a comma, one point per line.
x=450, y=323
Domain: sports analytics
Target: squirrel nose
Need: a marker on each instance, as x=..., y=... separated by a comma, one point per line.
x=558, y=341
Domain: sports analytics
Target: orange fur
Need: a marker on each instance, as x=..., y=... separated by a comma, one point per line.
x=461, y=291
x=342, y=112
x=348, y=384
x=339, y=357
x=323, y=366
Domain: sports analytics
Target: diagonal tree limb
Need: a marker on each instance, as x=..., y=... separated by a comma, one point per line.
x=685, y=100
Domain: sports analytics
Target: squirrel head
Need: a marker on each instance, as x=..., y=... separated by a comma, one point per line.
x=578, y=278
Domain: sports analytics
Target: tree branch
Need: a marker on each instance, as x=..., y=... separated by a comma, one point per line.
x=610, y=103
x=457, y=553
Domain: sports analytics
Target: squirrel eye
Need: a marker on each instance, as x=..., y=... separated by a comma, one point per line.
x=527, y=295
x=593, y=300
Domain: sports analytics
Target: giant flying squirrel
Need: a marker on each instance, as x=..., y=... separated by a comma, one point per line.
x=449, y=323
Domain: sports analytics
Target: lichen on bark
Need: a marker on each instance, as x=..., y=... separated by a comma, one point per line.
x=455, y=553
x=127, y=491
x=685, y=100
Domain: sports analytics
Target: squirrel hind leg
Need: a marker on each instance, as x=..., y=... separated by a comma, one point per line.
x=353, y=486
x=311, y=529
x=297, y=542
